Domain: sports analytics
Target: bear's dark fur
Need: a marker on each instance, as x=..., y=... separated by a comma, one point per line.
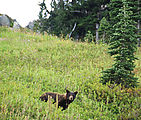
x=63, y=99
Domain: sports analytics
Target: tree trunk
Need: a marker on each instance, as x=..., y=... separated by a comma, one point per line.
x=97, y=35
x=72, y=30
x=103, y=37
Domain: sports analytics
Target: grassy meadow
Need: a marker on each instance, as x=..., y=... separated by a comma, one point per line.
x=32, y=64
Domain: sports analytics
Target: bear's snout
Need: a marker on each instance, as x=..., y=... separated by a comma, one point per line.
x=71, y=97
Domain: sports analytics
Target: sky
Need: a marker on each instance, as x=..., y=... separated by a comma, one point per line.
x=24, y=11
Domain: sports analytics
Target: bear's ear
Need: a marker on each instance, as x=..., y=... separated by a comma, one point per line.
x=75, y=92
x=67, y=91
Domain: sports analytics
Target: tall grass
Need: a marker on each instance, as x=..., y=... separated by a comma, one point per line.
x=32, y=64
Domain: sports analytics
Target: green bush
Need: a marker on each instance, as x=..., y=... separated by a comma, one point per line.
x=89, y=37
x=123, y=102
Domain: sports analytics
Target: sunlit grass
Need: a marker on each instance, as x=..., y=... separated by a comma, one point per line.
x=32, y=64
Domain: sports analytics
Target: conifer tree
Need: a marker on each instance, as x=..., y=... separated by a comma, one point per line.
x=104, y=29
x=42, y=16
x=115, y=5
x=122, y=47
x=65, y=14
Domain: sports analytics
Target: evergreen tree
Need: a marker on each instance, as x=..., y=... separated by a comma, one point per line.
x=104, y=30
x=122, y=47
x=113, y=9
x=42, y=17
x=136, y=8
x=65, y=14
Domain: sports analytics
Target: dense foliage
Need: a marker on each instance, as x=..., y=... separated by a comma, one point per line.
x=32, y=64
x=114, y=9
x=123, y=45
x=86, y=14
x=65, y=14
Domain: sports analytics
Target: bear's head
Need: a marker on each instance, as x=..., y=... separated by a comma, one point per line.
x=70, y=96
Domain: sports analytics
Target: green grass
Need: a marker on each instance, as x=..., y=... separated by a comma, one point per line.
x=32, y=64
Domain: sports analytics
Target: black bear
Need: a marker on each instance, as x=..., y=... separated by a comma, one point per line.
x=63, y=99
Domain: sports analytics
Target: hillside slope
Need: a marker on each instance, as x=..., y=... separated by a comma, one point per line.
x=32, y=64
